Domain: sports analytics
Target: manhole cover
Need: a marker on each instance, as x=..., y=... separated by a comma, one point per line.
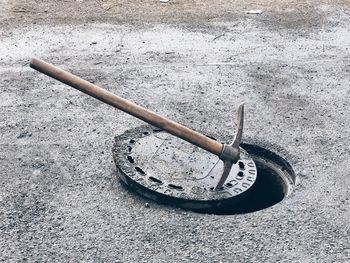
x=163, y=167
x=169, y=170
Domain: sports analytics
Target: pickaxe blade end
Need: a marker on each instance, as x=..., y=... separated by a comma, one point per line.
x=231, y=153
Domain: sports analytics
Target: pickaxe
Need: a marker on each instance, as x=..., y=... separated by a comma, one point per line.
x=228, y=153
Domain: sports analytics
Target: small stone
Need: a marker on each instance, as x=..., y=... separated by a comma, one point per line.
x=254, y=12
x=24, y=134
x=147, y=205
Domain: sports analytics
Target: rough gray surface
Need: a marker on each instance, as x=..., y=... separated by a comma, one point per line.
x=60, y=199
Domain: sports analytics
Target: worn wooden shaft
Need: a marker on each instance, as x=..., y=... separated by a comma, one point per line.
x=127, y=106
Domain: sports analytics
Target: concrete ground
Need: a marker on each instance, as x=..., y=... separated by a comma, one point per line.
x=193, y=61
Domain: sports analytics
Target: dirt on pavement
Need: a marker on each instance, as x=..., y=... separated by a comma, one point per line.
x=193, y=61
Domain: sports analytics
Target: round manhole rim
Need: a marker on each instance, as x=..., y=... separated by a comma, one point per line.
x=283, y=173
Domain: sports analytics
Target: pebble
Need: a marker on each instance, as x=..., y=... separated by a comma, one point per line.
x=254, y=12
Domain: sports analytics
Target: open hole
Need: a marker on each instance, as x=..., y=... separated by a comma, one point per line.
x=146, y=133
x=240, y=174
x=139, y=170
x=129, y=149
x=155, y=180
x=132, y=141
x=241, y=165
x=130, y=159
x=273, y=174
x=177, y=187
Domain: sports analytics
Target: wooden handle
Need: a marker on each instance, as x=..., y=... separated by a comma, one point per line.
x=148, y=116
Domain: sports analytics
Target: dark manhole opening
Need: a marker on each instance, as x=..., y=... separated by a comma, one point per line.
x=274, y=179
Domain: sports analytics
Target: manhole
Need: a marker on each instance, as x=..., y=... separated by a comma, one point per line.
x=168, y=170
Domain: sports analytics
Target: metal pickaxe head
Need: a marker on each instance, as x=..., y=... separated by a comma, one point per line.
x=230, y=152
